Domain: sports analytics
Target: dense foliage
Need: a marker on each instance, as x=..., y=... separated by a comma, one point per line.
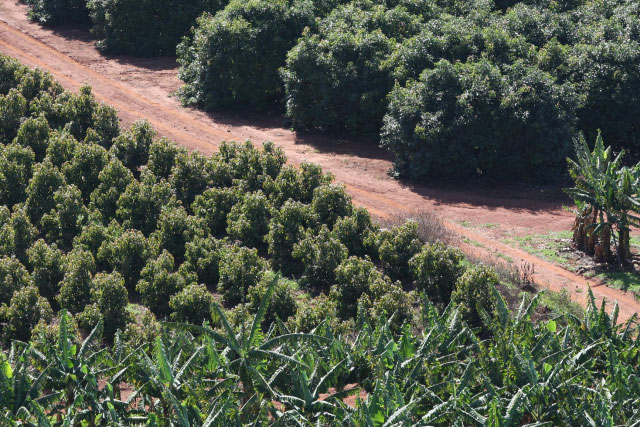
x=106, y=217
x=94, y=217
x=233, y=57
x=566, y=371
x=57, y=12
x=145, y=28
x=454, y=89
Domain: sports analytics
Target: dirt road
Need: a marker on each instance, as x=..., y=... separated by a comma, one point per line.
x=143, y=88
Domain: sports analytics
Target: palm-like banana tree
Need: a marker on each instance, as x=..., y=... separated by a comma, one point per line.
x=606, y=194
x=21, y=388
x=249, y=352
x=307, y=401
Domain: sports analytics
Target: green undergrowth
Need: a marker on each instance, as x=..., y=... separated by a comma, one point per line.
x=624, y=280
x=546, y=246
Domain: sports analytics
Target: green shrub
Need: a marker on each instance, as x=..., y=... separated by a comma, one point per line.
x=75, y=288
x=246, y=163
x=474, y=292
x=435, y=271
x=389, y=299
x=106, y=124
x=113, y=179
x=16, y=169
x=10, y=73
x=320, y=254
x=84, y=168
x=76, y=114
x=61, y=148
x=109, y=294
x=331, y=202
x=286, y=228
x=190, y=177
x=144, y=330
x=354, y=278
x=353, y=231
x=26, y=310
x=89, y=317
x=232, y=58
x=58, y=12
x=160, y=282
x=13, y=277
x=191, y=305
x=127, y=254
x=248, y=220
x=294, y=184
x=334, y=78
x=175, y=229
x=142, y=202
x=65, y=221
x=16, y=233
x=214, y=206
x=396, y=247
x=240, y=268
x=437, y=126
x=145, y=27
x=34, y=133
x=282, y=303
x=47, y=268
x=45, y=333
x=163, y=156
x=94, y=235
x=46, y=180
x=311, y=313
x=13, y=107
x=34, y=83
x=132, y=147
x=203, y=255
x=6, y=232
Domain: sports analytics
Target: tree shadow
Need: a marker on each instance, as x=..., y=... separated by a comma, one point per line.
x=481, y=192
x=151, y=63
x=327, y=143
x=490, y=195
x=82, y=33
x=73, y=32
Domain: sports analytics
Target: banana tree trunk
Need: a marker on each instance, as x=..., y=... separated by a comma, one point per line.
x=624, y=245
x=590, y=241
x=584, y=218
x=579, y=236
x=605, y=241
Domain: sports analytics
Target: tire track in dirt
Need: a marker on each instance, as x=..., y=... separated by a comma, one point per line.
x=142, y=88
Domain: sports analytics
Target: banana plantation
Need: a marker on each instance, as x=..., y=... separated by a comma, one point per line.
x=564, y=371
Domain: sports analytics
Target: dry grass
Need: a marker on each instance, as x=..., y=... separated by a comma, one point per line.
x=430, y=227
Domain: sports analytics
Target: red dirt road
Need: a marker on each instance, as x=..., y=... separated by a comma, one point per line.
x=143, y=88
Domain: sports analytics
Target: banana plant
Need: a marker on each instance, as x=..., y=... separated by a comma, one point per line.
x=249, y=352
x=309, y=402
x=21, y=388
x=167, y=380
x=75, y=372
x=606, y=190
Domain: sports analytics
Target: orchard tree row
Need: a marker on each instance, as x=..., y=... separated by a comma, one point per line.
x=455, y=89
x=92, y=217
